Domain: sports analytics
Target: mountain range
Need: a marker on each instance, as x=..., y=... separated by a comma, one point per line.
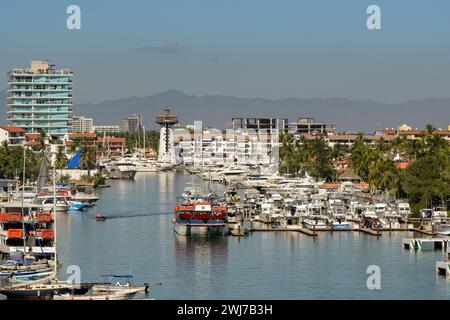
x=217, y=110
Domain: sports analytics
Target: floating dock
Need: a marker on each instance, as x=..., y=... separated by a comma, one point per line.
x=425, y=244
x=443, y=268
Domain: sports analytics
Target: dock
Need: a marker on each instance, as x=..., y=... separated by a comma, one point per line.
x=370, y=231
x=425, y=244
x=292, y=228
x=443, y=268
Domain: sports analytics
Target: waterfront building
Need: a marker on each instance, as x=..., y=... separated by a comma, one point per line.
x=106, y=129
x=12, y=134
x=40, y=97
x=80, y=124
x=132, y=124
x=167, y=121
x=310, y=126
x=110, y=145
x=350, y=139
x=260, y=124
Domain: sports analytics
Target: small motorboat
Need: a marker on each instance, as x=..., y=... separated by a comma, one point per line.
x=126, y=289
x=41, y=291
x=77, y=206
x=100, y=217
x=103, y=296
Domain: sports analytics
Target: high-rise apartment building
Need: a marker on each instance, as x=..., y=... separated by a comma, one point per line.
x=40, y=97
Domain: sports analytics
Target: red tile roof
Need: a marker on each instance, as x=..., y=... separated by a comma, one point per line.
x=31, y=136
x=111, y=140
x=12, y=129
x=82, y=135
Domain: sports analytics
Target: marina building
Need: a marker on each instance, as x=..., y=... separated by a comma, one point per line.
x=12, y=135
x=80, y=124
x=211, y=146
x=111, y=145
x=40, y=97
x=132, y=124
x=310, y=126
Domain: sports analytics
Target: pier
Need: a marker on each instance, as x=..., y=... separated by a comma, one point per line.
x=425, y=244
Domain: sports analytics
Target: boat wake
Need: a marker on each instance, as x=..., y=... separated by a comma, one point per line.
x=128, y=215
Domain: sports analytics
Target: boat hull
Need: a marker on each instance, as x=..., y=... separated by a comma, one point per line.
x=125, y=175
x=187, y=229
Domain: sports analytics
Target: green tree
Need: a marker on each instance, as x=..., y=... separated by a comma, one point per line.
x=88, y=159
x=61, y=160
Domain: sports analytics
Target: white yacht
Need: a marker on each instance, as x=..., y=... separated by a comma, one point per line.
x=122, y=169
x=404, y=210
x=29, y=194
x=61, y=203
x=440, y=215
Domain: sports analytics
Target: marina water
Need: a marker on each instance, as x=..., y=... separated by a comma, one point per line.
x=139, y=239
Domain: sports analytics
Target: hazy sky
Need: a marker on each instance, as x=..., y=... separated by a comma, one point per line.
x=247, y=48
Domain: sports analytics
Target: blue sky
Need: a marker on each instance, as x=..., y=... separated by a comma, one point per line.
x=246, y=48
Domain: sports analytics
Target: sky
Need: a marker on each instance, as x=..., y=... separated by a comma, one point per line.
x=245, y=48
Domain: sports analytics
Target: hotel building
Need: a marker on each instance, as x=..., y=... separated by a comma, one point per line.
x=40, y=97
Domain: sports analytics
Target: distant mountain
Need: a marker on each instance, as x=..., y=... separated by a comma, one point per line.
x=217, y=110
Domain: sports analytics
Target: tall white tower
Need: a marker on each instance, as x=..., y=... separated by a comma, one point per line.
x=166, y=145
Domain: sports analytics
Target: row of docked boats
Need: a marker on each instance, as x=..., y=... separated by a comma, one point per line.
x=277, y=200
x=68, y=197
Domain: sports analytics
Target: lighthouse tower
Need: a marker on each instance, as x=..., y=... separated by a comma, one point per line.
x=166, y=146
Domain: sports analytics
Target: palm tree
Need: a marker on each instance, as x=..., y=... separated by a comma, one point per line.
x=41, y=139
x=61, y=160
x=88, y=159
x=383, y=175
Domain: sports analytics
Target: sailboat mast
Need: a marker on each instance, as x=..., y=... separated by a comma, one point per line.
x=143, y=133
x=54, y=218
x=24, y=236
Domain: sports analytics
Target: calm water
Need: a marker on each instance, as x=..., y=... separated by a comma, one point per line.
x=261, y=266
